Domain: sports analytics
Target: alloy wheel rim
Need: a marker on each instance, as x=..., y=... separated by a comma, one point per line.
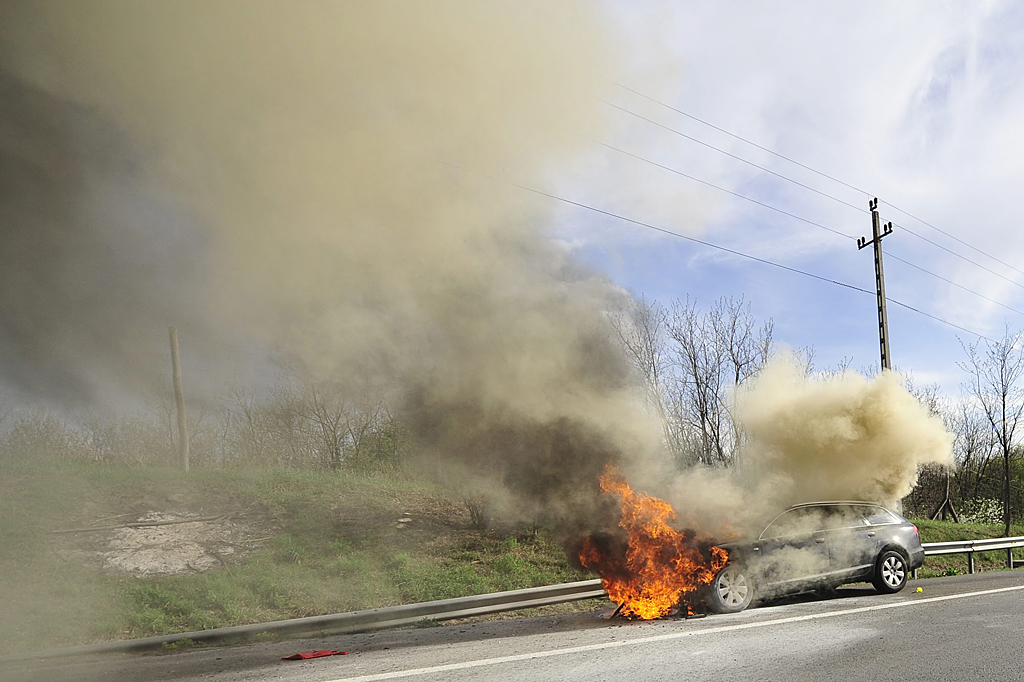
x=893, y=571
x=733, y=587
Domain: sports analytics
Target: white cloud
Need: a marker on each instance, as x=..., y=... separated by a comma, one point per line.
x=919, y=102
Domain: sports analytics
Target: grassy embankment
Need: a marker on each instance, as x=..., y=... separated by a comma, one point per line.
x=323, y=543
x=318, y=543
x=956, y=564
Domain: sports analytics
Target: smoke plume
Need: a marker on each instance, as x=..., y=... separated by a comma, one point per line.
x=290, y=182
x=845, y=437
x=271, y=176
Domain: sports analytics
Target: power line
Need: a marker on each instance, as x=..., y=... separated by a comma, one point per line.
x=746, y=255
x=708, y=244
x=743, y=139
x=938, y=319
x=965, y=258
x=723, y=189
x=960, y=286
x=805, y=220
x=693, y=239
x=953, y=237
x=738, y=158
x=824, y=175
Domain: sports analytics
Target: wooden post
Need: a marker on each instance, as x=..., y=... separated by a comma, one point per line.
x=179, y=398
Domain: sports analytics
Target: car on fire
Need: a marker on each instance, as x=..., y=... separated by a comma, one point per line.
x=818, y=546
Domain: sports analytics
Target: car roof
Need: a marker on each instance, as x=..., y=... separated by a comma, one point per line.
x=825, y=502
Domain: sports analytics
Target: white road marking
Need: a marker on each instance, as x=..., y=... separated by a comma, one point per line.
x=479, y=663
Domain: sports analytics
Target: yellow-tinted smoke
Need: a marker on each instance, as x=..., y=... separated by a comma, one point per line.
x=317, y=146
x=809, y=439
x=845, y=437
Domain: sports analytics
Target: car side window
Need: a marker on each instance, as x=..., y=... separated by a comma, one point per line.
x=876, y=515
x=843, y=516
x=795, y=522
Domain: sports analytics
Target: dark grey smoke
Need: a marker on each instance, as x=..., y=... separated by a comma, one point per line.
x=95, y=263
x=264, y=175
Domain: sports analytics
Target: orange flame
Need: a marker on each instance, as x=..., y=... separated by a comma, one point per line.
x=659, y=565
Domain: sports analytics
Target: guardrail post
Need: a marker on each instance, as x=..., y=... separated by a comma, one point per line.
x=970, y=562
x=1009, y=557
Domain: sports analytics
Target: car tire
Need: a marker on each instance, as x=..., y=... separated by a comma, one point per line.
x=731, y=591
x=891, y=572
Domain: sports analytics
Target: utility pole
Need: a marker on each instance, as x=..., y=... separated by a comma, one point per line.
x=877, y=232
x=179, y=398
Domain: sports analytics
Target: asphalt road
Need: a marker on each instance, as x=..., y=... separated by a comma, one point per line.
x=958, y=628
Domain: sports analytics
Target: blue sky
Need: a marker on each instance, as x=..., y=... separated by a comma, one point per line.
x=919, y=103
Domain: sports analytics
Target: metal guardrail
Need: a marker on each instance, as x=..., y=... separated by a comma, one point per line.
x=443, y=609
x=347, y=623
x=969, y=547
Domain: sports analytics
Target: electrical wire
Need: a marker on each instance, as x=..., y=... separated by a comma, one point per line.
x=750, y=142
x=711, y=245
x=738, y=158
x=723, y=189
x=890, y=254
x=953, y=237
x=827, y=176
x=810, y=222
x=749, y=256
x=965, y=258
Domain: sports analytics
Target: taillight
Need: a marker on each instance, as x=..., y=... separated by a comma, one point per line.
x=916, y=531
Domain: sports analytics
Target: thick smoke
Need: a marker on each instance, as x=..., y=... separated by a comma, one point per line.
x=843, y=437
x=847, y=437
x=268, y=175
x=89, y=253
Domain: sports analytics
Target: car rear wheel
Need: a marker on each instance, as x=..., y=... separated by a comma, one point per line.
x=891, y=572
x=731, y=591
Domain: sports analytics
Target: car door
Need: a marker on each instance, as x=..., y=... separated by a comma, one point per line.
x=852, y=542
x=793, y=550
x=880, y=523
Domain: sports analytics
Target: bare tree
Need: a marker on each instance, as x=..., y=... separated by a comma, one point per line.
x=325, y=410
x=701, y=362
x=641, y=329
x=746, y=344
x=713, y=353
x=934, y=479
x=747, y=347
x=995, y=381
x=929, y=395
x=246, y=421
x=974, y=445
x=837, y=372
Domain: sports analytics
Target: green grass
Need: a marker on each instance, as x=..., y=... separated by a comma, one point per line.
x=331, y=546
x=956, y=564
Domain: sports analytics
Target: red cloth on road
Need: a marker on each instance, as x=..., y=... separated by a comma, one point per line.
x=313, y=654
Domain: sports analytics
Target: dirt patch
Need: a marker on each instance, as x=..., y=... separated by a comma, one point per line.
x=167, y=549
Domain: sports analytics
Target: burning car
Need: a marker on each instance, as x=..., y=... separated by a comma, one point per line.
x=817, y=546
